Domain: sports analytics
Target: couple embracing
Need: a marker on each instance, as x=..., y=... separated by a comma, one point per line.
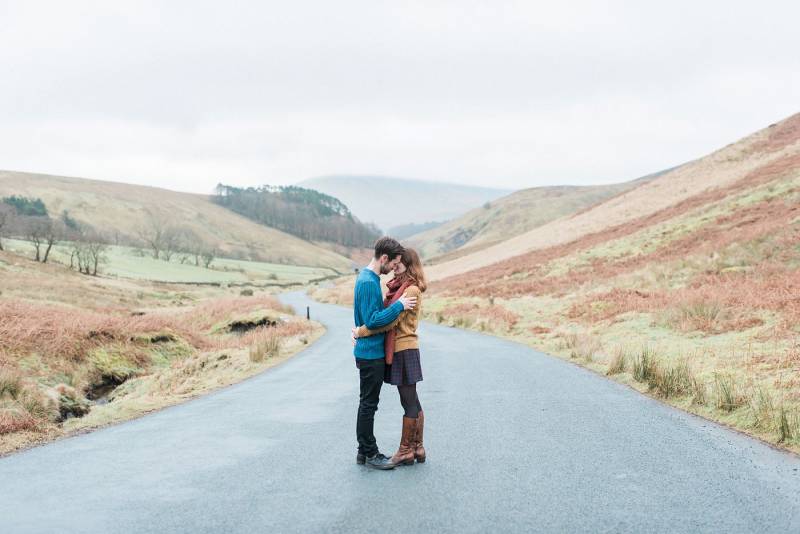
x=387, y=349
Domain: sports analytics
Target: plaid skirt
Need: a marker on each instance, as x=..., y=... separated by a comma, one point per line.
x=405, y=369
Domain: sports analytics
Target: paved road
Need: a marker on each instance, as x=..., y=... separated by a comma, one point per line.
x=517, y=441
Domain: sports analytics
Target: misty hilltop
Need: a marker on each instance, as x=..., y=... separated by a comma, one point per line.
x=389, y=201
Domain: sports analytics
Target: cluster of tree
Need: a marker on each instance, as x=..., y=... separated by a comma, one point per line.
x=28, y=219
x=88, y=251
x=167, y=241
x=6, y=216
x=33, y=207
x=302, y=212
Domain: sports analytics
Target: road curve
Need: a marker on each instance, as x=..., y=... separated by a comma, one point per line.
x=517, y=441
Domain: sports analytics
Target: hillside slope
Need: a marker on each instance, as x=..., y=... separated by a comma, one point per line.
x=776, y=144
x=695, y=303
x=510, y=216
x=375, y=198
x=125, y=208
x=78, y=352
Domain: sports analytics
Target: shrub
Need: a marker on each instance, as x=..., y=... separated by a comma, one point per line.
x=698, y=389
x=15, y=420
x=672, y=381
x=265, y=346
x=788, y=425
x=619, y=362
x=10, y=384
x=585, y=347
x=644, y=365
x=37, y=405
x=700, y=315
x=762, y=408
x=729, y=396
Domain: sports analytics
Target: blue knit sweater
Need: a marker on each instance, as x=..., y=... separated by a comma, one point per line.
x=368, y=310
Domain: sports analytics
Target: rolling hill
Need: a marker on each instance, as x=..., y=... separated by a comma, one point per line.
x=375, y=198
x=684, y=288
x=509, y=216
x=775, y=145
x=125, y=208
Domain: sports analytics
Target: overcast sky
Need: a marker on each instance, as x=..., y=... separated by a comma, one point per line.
x=514, y=94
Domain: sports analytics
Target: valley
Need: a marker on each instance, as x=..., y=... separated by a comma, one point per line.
x=685, y=287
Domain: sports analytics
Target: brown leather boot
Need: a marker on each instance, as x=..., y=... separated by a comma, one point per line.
x=419, y=450
x=405, y=454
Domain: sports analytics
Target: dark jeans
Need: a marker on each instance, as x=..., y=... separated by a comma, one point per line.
x=371, y=375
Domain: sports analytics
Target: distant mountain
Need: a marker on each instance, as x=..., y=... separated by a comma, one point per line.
x=511, y=215
x=407, y=230
x=739, y=170
x=389, y=202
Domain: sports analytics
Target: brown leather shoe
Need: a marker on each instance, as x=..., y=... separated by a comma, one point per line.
x=419, y=450
x=405, y=454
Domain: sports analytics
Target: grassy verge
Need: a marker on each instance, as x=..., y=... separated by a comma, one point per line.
x=747, y=378
x=695, y=305
x=79, y=352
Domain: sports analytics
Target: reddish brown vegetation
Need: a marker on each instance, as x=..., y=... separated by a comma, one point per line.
x=780, y=135
x=64, y=338
x=771, y=286
x=745, y=224
x=63, y=333
x=538, y=330
x=16, y=421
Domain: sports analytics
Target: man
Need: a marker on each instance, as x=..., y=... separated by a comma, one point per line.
x=368, y=310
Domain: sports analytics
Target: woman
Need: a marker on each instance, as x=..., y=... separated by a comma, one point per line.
x=401, y=347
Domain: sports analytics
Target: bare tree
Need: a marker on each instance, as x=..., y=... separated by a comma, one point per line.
x=154, y=233
x=6, y=215
x=79, y=256
x=36, y=230
x=209, y=254
x=96, y=250
x=54, y=232
x=88, y=252
x=171, y=242
x=191, y=245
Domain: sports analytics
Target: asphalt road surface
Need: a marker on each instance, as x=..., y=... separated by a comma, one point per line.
x=517, y=442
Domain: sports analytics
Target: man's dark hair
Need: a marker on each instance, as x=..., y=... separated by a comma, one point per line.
x=389, y=246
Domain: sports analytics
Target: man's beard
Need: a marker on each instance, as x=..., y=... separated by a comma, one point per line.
x=385, y=269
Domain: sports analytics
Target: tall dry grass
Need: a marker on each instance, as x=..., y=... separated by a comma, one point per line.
x=756, y=405
x=581, y=346
x=70, y=350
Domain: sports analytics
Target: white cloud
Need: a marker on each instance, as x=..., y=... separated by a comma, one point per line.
x=512, y=94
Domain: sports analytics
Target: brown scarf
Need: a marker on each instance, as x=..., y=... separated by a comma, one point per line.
x=397, y=287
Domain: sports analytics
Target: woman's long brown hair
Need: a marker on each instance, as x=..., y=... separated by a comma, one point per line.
x=414, y=271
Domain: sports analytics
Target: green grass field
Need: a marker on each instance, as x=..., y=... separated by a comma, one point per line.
x=128, y=262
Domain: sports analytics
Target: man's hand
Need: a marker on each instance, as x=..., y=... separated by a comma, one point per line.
x=408, y=302
x=354, y=335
